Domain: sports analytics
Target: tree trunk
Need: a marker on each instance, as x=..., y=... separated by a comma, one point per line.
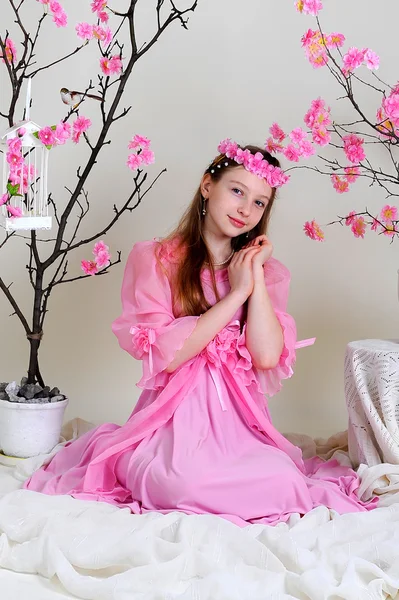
x=34, y=374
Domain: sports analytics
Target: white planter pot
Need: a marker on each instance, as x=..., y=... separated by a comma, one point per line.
x=30, y=429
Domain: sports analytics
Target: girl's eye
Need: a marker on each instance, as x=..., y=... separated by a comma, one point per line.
x=261, y=204
x=237, y=191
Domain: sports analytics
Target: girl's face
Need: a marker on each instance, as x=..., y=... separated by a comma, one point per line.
x=235, y=204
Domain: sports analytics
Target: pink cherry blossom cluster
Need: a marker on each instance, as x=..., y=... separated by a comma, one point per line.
x=10, y=51
x=386, y=223
x=98, y=7
x=20, y=173
x=56, y=135
x=341, y=182
x=316, y=44
x=309, y=7
x=88, y=32
x=254, y=163
x=298, y=146
x=110, y=65
x=59, y=15
x=143, y=155
x=102, y=259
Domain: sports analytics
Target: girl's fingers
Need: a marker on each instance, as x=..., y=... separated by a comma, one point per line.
x=247, y=252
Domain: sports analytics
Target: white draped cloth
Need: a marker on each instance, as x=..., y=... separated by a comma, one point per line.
x=372, y=397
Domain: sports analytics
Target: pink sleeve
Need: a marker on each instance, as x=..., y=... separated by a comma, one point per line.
x=277, y=279
x=147, y=328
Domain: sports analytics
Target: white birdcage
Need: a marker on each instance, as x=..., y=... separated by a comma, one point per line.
x=32, y=177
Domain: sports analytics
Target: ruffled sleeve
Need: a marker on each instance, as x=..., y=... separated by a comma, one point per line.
x=277, y=278
x=147, y=328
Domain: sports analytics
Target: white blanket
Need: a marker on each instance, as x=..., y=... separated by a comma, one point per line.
x=96, y=551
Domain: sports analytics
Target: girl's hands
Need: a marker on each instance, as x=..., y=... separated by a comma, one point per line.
x=240, y=270
x=266, y=250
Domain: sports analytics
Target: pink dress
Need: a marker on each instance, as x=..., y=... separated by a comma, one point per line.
x=200, y=439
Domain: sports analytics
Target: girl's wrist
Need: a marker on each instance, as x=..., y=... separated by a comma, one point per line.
x=259, y=275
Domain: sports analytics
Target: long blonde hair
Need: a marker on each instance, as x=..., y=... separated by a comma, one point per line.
x=189, y=247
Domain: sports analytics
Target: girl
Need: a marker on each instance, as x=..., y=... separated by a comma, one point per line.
x=205, y=310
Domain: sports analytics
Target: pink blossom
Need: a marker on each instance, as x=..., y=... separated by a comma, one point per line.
x=350, y=218
x=389, y=213
x=353, y=58
x=306, y=149
x=353, y=148
x=59, y=15
x=310, y=7
x=371, y=59
x=103, y=16
x=139, y=141
x=340, y=185
x=89, y=267
x=351, y=174
x=321, y=136
x=318, y=115
x=10, y=51
x=391, y=107
x=358, y=227
x=231, y=150
x=62, y=132
x=308, y=37
x=243, y=156
x=277, y=133
x=291, y=153
x=111, y=65
x=100, y=247
x=276, y=177
x=3, y=199
x=47, y=136
x=297, y=135
x=272, y=146
x=142, y=340
x=335, y=40
x=134, y=161
x=14, y=211
x=81, y=124
x=313, y=231
x=147, y=156
x=21, y=132
x=14, y=144
x=104, y=35
x=103, y=259
x=84, y=31
x=14, y=159
x=98, y=5
x=315, y=49
x=60, y=19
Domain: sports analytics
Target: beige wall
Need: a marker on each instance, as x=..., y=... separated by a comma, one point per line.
x=234, y=72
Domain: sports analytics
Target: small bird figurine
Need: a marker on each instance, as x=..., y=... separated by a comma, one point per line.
x=72, y=98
